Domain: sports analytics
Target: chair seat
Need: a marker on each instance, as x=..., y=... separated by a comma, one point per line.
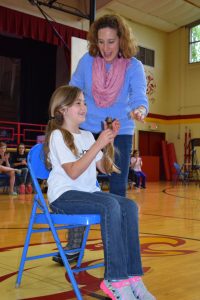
x=41, y=218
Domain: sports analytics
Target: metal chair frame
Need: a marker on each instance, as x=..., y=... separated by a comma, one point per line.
x=4, y=182
x=183, y=175
x=41, y=215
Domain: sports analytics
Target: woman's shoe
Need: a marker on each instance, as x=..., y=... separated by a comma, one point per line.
x=71, y=257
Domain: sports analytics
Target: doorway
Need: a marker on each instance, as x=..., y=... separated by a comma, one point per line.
x=150, y=145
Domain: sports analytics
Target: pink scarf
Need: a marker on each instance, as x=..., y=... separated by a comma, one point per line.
x=107, y=85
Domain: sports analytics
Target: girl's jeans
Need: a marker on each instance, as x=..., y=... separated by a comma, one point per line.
x=119, y=228
x=118, y=182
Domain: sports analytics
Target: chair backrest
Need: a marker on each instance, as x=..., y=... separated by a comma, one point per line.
x=36, y=162
x=177, y=167
x=38, y=170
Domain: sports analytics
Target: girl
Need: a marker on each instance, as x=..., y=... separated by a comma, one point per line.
x=19, y=161
x=73, y=155
x=6, y=169
x=136, y=166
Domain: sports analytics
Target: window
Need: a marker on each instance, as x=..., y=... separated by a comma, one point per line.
x=194, y=44
x=146, y=56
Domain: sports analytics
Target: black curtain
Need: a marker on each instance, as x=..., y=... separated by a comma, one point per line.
x=38, y=76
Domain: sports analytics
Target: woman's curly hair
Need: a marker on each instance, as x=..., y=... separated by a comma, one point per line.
x=127, y=42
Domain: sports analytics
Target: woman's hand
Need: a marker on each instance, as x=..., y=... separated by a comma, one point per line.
x=138, y=114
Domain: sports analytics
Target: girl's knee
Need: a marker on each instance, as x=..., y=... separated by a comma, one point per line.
x=11, y=173
x=111, y=204
x=132, y=205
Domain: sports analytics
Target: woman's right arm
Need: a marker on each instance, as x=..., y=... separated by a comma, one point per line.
x=138, y=85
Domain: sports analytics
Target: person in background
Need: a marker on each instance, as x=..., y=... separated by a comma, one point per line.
x=6, y=169
x=19, y=161
x=73, y=156
x=136, y=166
x=114, y=85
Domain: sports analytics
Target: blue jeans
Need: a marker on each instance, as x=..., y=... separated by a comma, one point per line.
x=118, y=182
x=24, y=177
x=139, y=175
x=119, y=228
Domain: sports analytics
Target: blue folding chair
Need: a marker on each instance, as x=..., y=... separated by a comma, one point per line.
x=180, y=174
x=4, y=181
x=41, y=215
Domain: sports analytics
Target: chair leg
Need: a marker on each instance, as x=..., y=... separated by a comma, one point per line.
x=84, y=241
x=65, y=261
x=69, y=272
x=26, y=245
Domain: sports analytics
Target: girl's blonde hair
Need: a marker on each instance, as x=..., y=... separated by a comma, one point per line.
x=127, y=42
x=63, y=96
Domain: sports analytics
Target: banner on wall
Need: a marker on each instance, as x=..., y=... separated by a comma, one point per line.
x=151, y=84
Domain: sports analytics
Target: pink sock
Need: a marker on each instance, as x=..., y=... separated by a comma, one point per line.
x=134, y=279
x=121, y=283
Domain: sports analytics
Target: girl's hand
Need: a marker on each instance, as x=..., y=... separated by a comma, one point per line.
x=6, y=157
x=138, y=114
x=105, y=138
x=115, y=127
x=23, y=162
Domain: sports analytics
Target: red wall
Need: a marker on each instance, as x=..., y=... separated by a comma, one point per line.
x=151, y=167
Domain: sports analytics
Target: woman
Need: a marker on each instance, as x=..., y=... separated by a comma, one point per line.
x=114, y=85
x=73, y=156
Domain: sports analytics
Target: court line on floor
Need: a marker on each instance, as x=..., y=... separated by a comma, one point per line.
x=175, y=195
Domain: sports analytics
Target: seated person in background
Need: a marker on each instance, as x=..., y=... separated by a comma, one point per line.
x=131, y=175
x=19, y=161
x=136, y=165
x=5, y=167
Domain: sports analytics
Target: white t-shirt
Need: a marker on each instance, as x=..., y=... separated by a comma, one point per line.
x=137, y=163
x=58, y=181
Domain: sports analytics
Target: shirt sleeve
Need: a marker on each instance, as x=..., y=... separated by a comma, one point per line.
x=59, y=150
x=138, y=86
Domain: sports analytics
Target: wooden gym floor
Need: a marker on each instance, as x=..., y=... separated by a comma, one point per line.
x=170, y=247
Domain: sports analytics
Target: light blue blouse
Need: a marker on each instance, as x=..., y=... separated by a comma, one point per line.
x=131, y=96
